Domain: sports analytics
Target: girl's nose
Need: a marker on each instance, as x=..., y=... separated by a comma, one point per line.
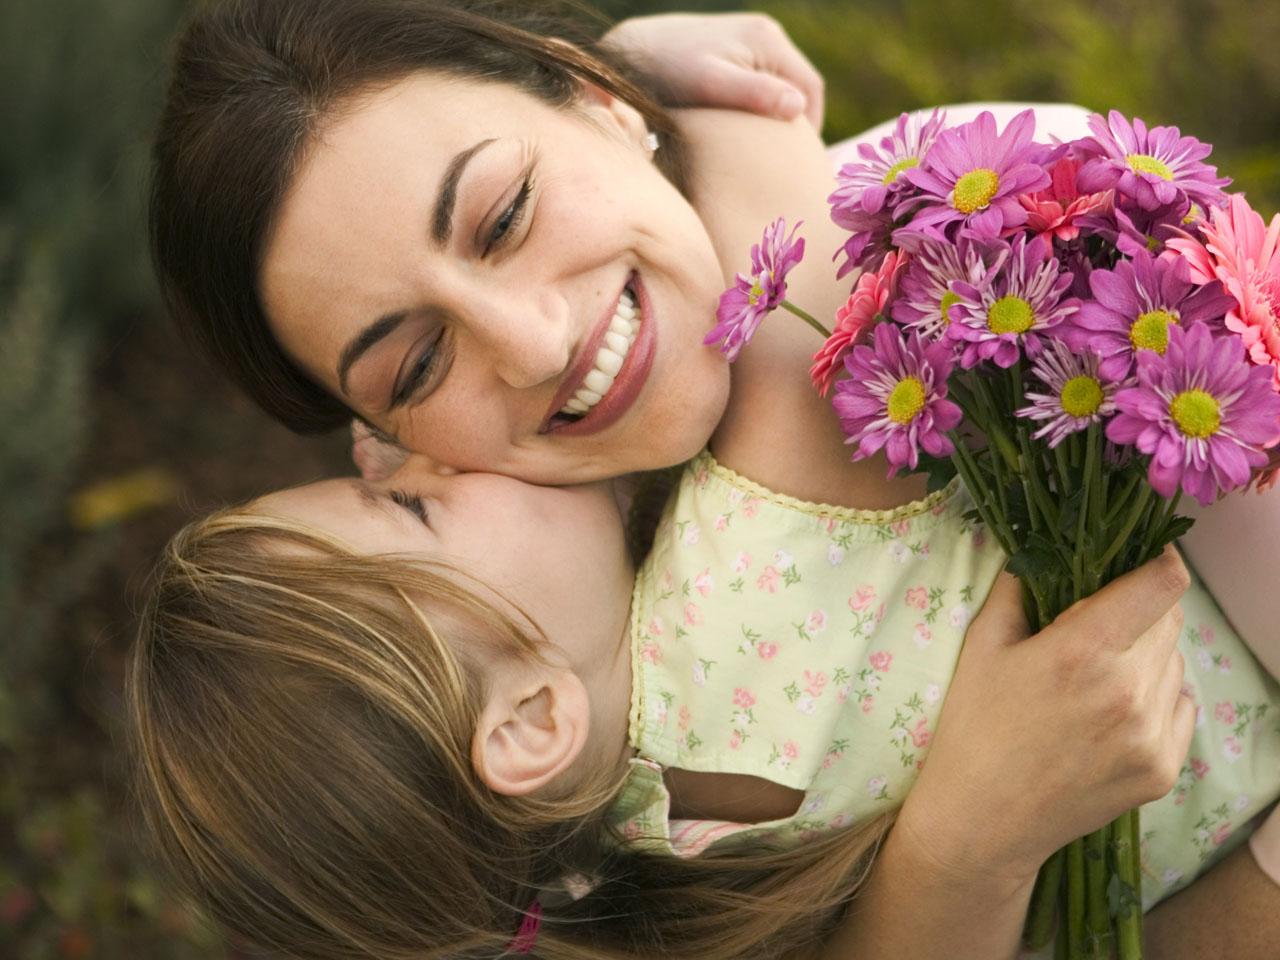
x=527, y=337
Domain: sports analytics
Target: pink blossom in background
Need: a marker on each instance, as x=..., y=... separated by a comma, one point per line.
x=920, y=735
x=1221, y=834
x=743, y=698
x=1225, y=712
x=791, y=750
x=767, y=651
x=816, y=621
x=1199, y=768
x=741, y=562
x=651, y=653
x=881, y=660
x=692, y=615
x=703, y=582
x=735, y=740
x=917, y=597
x=1232, y=750
x=815, y=683
x=862, y=597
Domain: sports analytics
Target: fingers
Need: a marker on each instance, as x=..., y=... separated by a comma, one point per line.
x=738, y=87
x=376, y=457
x=1002, y=618
x=774, y=53
x=1129, y=606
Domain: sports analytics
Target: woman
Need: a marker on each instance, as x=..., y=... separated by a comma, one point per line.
x=445, y=281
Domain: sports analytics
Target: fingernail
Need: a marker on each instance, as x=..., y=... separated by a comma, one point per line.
x=790, y=103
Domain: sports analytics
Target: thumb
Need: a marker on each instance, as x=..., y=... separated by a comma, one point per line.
x=1002, y=619
x=737, y=87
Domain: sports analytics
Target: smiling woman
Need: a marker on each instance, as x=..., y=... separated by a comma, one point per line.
x=447, y=224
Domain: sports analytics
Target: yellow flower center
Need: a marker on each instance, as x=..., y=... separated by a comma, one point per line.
x=1194, y=214
x=1010, y=314
x=1196, y=413
x=949, y=300
x=906, y=163
x=906, y=400
x=1145, y=163
x=756, y=291
x=1081, y=396
x=1151, y=330
x=975, y=189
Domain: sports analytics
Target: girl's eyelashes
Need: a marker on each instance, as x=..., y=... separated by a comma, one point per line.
x=511, y=217
x=411, y=502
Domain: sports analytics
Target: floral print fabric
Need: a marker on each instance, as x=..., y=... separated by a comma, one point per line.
x=813, y=645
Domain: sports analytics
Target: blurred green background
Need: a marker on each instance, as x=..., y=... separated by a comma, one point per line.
x=111, y=432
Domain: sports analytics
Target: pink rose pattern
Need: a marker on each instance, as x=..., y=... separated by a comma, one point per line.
x=821, y=659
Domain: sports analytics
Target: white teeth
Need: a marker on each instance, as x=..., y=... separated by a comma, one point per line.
x=609, y=357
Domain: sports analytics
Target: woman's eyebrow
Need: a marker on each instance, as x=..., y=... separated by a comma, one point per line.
x=441, y=229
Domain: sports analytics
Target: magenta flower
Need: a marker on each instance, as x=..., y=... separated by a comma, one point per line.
x=1135, y=303
x=865, y=187
x=1244, y=254
x=926, y=286
x=1021, y=298
x=1153, y=167
x=870, y=240
x=750, y=299
x=895, y=398
x=973, y=177
x=1201, y=412
x=1077, y=397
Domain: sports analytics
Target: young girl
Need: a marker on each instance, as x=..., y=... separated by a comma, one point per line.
x=347, y=692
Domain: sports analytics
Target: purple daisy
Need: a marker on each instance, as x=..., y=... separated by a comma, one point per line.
x=870, y=239
x=973, y=177
x=1022, y=297
x=1131, y=229
x=865, y=186
x=1153, y=167
x=895, y=398
x=1078, y=395
x=1133, y=306
x=750, y=299
x=926, y=294
x=1201, y=412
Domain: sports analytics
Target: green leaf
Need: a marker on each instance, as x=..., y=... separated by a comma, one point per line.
x=939, y=469
x=1035, y=560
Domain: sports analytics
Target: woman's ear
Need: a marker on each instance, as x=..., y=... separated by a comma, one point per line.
x=533, y=726
x=612, y=112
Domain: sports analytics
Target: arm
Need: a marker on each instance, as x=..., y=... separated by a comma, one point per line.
x=1041, y=739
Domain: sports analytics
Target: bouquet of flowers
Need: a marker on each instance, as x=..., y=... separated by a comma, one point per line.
x=1085, y=332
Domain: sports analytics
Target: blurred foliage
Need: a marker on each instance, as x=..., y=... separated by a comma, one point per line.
x=79, y=83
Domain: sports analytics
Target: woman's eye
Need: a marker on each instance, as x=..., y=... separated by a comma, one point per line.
x=417, y=374
x=411, y=502
x=511, y=217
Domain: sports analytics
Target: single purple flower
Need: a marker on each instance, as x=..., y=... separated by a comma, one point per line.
x=973, y=178
x=1023, y=297
x=1133, y=306
x=895, y=398
x=1077, y=397
x=864, y=187
x=1153, y=167
x=750, y=299
x=926, y=293
x=1131, y=229
x=870, y=240
x=1202, y=413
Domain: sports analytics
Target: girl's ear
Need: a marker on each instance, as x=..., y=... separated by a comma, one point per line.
x=532, y=728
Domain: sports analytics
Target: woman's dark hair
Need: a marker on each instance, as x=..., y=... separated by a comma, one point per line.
x=250, y=84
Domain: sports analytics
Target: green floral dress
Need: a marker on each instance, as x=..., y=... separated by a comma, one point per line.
x=813, y=645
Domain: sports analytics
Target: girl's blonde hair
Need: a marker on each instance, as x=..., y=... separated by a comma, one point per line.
x=302, y=740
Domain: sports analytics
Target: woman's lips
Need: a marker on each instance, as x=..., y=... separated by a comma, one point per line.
x=626, y=385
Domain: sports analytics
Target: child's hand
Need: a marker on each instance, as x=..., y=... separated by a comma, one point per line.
x=1045, y=738
x=740, y=61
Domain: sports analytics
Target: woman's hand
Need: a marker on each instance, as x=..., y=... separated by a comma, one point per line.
x=1044, y=738
x=739, y=61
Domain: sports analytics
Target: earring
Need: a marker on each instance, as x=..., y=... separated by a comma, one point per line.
x=650, y=142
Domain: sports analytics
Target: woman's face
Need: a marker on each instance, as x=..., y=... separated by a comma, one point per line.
x=457, y=261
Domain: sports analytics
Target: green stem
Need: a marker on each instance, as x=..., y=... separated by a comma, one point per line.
x=806, y=317
x=1096, y=874
x=1129, y=866
x=1044, y=902
x=1075, y=899
x=1135, y=513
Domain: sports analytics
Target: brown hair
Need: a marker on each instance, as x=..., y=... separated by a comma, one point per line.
x=251, y=82
x=301, y=733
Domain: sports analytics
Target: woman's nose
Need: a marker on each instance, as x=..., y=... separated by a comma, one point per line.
x=527, y=337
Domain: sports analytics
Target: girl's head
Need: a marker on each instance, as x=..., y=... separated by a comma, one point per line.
x=346, y=746
x=427, y=215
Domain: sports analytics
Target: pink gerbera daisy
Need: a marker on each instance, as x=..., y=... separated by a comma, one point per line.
x=867, y=302
x=1244, y=254
x=1054, y=212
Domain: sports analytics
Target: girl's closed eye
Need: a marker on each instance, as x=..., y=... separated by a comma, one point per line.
x=411, y=502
